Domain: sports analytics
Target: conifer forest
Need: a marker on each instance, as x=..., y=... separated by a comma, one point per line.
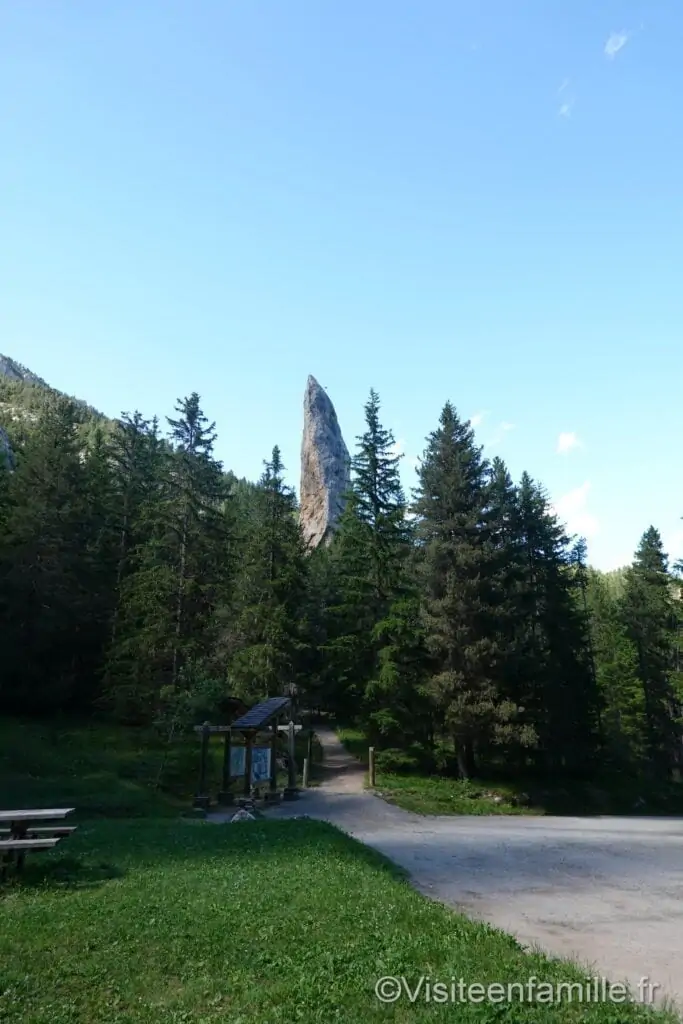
x=459, y=625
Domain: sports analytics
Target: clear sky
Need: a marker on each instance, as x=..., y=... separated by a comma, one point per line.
x=474, y=201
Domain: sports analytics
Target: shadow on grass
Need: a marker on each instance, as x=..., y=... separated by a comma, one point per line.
x=66, y=872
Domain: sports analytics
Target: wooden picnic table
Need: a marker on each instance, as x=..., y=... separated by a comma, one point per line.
x=20, y=817
x=22, y=836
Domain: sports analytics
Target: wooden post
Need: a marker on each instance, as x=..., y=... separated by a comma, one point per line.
x=248, y=740
x=311, y=735
x=201, y=799
x=291, y=792
x=272, y=793
x=305, y=783
x=226, y=796
x=371, y=766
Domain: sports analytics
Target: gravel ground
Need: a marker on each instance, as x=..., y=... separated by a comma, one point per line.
x=607, y=892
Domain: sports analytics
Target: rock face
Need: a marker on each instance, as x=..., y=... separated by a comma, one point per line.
x=325, y=467
x=13, y=370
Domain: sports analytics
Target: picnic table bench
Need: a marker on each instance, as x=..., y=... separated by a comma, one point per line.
x=21, y=835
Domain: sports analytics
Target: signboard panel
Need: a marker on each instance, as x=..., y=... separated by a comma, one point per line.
x=237, y=762
x=260, y=763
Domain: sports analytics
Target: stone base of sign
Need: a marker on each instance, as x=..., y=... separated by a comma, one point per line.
x=202, y=802
x=272, y=798
x=226, y=799
x=290, y=794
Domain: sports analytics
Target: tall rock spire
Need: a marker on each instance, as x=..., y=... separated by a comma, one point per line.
x=325, y=467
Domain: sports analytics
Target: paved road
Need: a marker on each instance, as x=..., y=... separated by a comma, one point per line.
x=605, y=891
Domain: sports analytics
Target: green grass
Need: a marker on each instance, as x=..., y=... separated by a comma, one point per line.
x=109, y=771
x=424, y=794
x=145, y=917
x=100, y=769
x=434, y=795
x=259, y=923
x=355, y=741
x=442, y=795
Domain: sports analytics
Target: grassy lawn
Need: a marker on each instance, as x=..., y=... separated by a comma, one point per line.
x=425, y=794
x=264, y=922
x=145, y=917
x=104, y=770
x=434, y=794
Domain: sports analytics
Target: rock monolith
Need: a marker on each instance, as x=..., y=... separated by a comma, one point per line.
x=325, y=468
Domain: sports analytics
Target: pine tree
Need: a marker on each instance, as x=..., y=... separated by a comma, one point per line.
x=172, y=579
x=616, y=669
x=561, y=689
x=651, y=619
x=369, y=557
x=97, y=561
x=194, y=515
x=45, y=600
x=397, y=701
x=268, y=638
x=456, y=575
x=380, y=504
x=515, y=730
x=135, y=448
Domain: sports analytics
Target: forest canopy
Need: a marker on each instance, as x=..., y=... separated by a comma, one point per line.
x=460, y=625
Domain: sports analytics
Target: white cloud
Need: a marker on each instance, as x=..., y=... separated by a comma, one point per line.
x=566, y=442
x=499, y=434
x=566, y=109
x=571, y=509
x=616, y=41
x=563, y=86
x=477, y=419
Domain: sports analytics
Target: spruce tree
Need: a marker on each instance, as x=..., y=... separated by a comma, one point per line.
x=616, y=669
x=456, y=576
x=380, y=505
x=46, y=604
x=173, y=576
x=651, y=620
x=515, y=729
x=193, y=512
x=269, y=637
x=369, y=559
x=560, y=685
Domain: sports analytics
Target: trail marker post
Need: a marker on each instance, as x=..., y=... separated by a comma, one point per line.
x=226, y=796
x=291, y=792
x=202, y=799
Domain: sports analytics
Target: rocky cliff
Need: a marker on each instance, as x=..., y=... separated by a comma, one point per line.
x=325, y=467
x=13, y=370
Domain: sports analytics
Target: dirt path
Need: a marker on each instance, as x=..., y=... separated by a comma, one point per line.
x=343, y=773
x=605, y=891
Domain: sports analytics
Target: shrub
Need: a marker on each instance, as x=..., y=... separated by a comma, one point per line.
x=396, y=761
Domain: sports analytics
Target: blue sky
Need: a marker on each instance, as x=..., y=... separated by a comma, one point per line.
x=474, y=201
